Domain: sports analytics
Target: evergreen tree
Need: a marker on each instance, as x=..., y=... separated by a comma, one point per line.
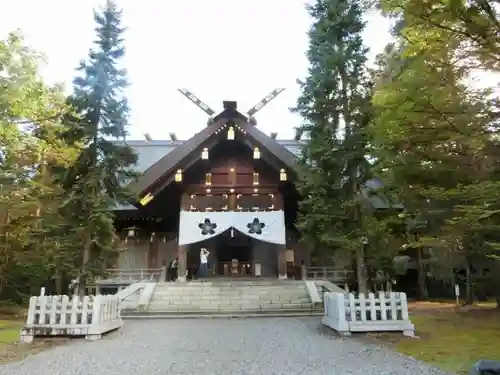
x=335, y=104
x=437, y=140
x=95, y=183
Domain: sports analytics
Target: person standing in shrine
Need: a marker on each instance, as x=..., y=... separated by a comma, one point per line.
x=173, y=269
x=203, y=271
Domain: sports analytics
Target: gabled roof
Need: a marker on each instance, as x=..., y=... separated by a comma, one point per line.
x=267, y=143
x=170, y=162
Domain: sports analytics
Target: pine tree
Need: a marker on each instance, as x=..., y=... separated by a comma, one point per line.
x=335, y=106
x=95, y=183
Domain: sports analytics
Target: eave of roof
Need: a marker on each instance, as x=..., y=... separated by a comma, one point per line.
x=154, y=175
x=169, y=162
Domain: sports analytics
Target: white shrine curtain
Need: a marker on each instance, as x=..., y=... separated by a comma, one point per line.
x=267, y=226
x=199, y=226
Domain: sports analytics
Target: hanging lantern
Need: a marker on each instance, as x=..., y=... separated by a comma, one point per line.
x=164, y=239
x=178, y=175
x=151, y=239
x=255, y=178
x=256, y=153
x=230, y=133
x=131, y=232
x=204, y=154
x=282, y=175
x=232, y=232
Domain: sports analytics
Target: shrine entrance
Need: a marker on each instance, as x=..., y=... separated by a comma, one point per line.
x=233, y=255
x=241, y=244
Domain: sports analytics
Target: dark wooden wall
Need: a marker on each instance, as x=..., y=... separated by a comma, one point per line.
x=235, y=183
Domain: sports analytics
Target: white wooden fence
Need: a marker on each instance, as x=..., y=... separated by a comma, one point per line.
x=383, y=312
x=90, y=316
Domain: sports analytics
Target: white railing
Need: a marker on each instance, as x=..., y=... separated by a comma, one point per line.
x=90, y=316
x=124, y=274
x=325, y=273
x=385, y=312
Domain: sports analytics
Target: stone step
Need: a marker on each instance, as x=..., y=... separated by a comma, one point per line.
x=219, y=315
x=240, y=298
x=233, y=286
x=236, y=283
x=229, y=307
x=230, y=290
x=229, y=295
x=225, y=300
x=242, y=288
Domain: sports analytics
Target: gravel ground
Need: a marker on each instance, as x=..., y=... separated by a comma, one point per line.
x=220, y=347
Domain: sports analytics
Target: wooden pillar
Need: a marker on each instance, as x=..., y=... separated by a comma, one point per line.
x=182, y=250
x=153, y=254
x=281, y=249
x=182, y=265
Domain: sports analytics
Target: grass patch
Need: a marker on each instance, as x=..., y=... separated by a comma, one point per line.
x=12, y=319
x=6, y=323
x=449, y=339
x=9, y=335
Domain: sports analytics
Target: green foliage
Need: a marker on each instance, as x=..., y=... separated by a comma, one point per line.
x=435, y=136
x=95, y=182
x=334, y=103
x=30, y=139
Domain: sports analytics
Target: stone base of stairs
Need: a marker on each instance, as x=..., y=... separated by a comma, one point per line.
x=219, y=314
x=227, y=299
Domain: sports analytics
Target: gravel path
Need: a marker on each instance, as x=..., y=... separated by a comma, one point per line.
x=220, y=347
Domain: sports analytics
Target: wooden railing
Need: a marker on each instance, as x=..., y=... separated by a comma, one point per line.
x=325, y=273
x=242, y=269
x=153, y=274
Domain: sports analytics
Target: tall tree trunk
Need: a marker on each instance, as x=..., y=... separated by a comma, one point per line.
x=422, y=277
x=58, y=283
x=361, y=269
x=82, y=278
x=469, y=290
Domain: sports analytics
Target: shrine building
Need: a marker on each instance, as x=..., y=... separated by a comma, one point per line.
x=229, y=189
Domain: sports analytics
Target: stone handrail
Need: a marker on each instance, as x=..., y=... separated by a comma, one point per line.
x=139, y=274
x=325, y=273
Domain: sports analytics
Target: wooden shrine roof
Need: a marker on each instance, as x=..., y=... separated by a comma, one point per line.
x=172, y=160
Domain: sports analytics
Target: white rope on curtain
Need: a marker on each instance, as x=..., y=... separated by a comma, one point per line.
x=267, y=226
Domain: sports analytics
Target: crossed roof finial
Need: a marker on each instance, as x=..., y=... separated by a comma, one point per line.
x=250, y=113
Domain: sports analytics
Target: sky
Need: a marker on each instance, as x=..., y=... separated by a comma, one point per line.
x=218, y=49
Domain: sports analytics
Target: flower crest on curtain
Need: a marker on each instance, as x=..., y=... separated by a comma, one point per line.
x=267, y=226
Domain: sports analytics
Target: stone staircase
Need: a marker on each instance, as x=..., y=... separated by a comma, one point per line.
x=233, y=298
